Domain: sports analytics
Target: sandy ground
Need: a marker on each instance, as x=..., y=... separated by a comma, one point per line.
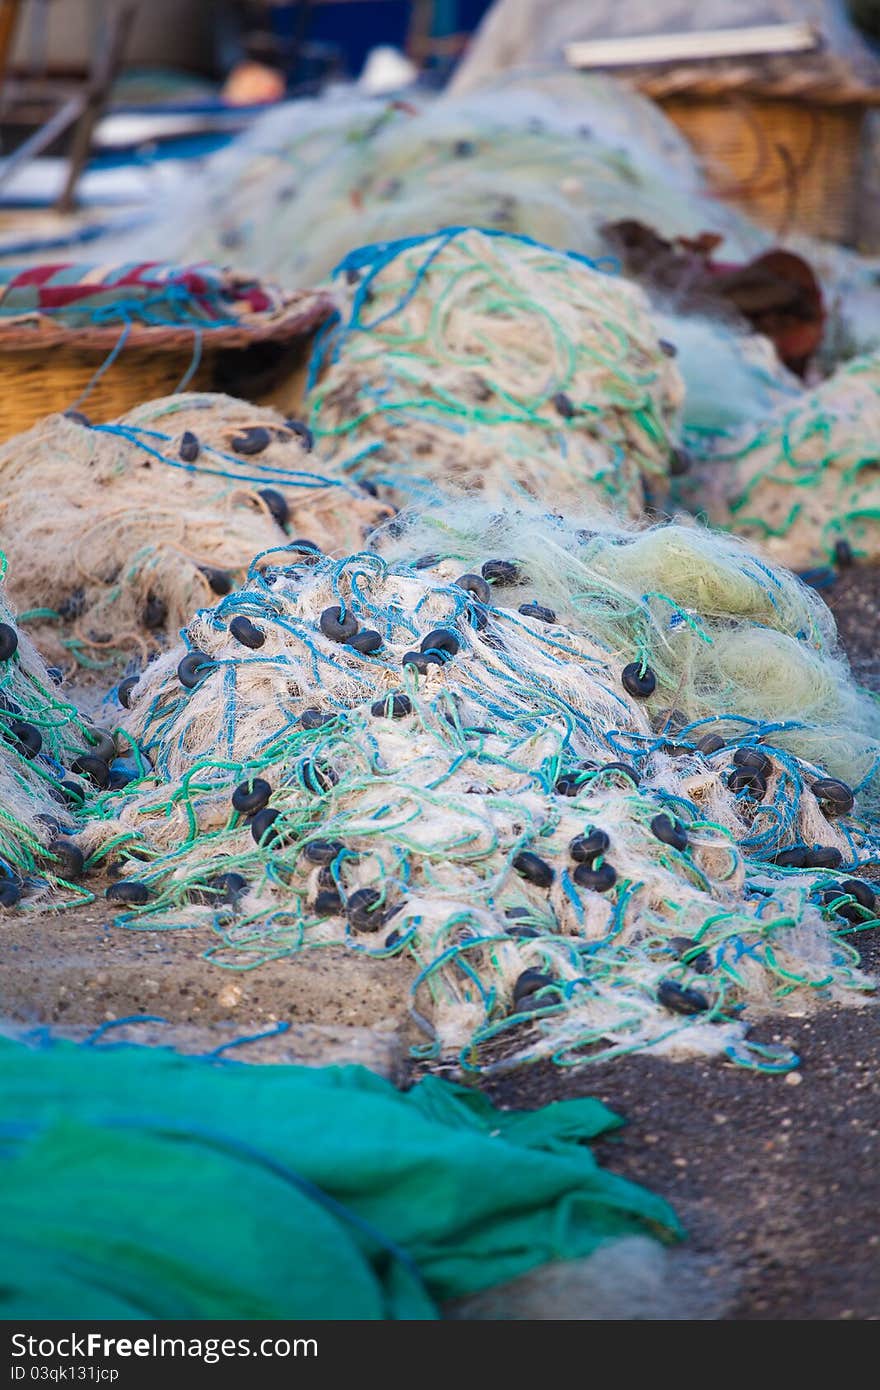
x=776, y=1179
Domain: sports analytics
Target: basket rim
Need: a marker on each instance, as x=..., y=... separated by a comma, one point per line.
x=714, y=82
x=300, y=312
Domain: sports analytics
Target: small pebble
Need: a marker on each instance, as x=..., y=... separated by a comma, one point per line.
x=230, y=996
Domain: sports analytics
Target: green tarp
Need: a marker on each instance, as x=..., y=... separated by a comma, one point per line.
x=135, y=1182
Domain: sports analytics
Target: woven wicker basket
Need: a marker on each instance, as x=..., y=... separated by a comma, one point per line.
x=48, y=368
x=789, y=164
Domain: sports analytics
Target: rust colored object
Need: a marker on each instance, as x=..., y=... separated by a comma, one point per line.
x=777, y=294
x=780, y=296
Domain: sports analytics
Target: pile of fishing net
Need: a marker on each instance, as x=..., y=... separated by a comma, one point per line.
x=47, y=752
x=141, y=1184
x=473, y=359
x=598, y=784
x=805, y=484
x=117, y=533
x=554, y=155
x=551, y=155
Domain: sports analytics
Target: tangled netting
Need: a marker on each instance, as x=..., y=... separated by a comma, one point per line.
x=45, y=752
x=551, y=155
x=806, y=484
x=392, y=754
x=733, y=380
x=118, y=533
x=485, y=361
x=554, y=155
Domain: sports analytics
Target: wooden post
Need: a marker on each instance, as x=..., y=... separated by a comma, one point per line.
x=104, y=70
x=9, y=12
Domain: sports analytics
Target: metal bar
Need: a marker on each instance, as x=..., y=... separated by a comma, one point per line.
x=692, y=47
x=42, y=138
